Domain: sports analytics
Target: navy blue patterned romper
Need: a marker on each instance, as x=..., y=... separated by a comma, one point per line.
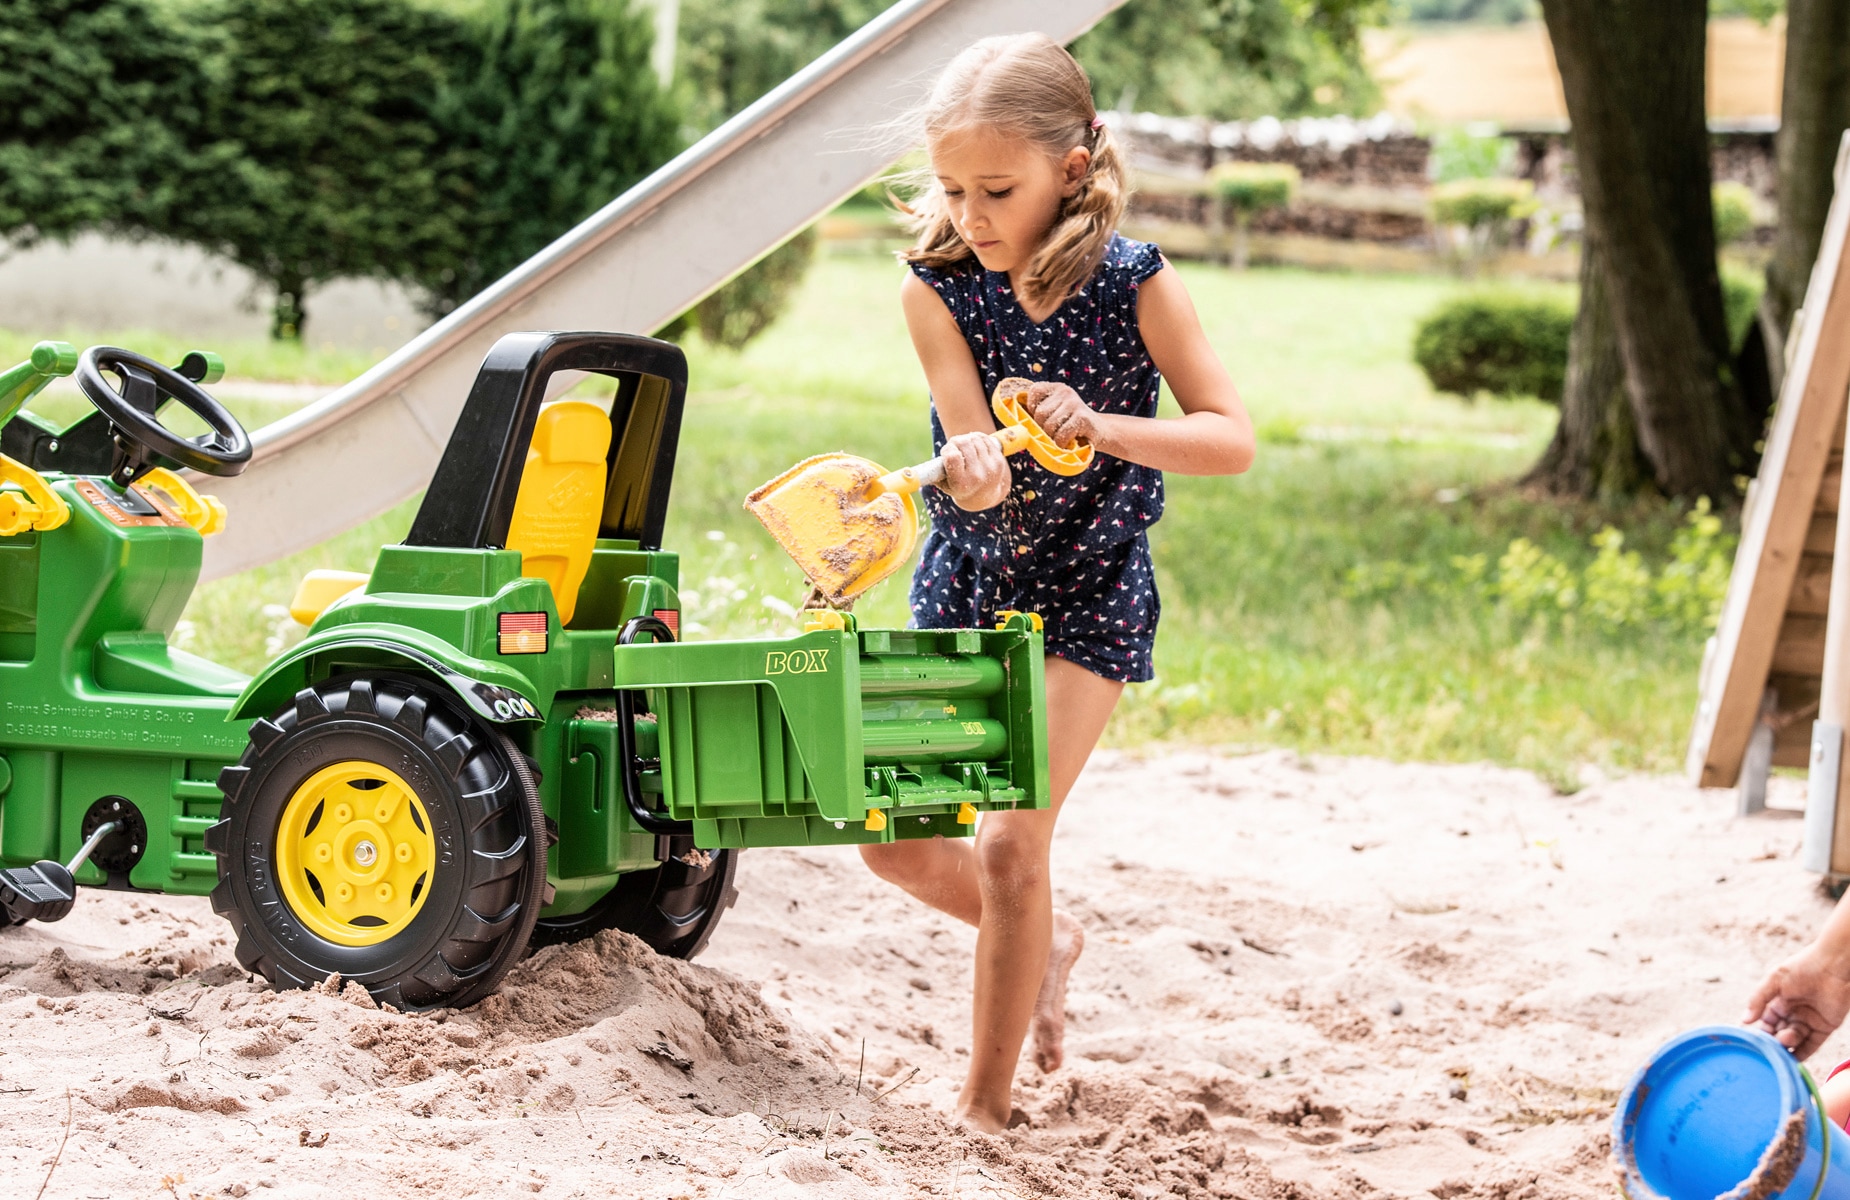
x=1073, y=549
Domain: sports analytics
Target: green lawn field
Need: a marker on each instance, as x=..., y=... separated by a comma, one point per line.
x=1356, y=592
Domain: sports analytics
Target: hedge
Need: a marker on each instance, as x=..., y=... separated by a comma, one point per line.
x=1501, y=343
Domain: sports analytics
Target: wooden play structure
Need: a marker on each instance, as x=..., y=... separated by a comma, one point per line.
x=1775, y=685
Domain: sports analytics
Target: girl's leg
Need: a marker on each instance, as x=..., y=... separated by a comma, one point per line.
x=1017, y=928
x=1001, y=885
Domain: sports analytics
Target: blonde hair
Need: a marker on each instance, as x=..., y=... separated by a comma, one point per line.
x=1026, y=86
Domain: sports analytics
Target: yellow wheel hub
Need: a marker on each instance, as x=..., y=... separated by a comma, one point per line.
x=354, y=854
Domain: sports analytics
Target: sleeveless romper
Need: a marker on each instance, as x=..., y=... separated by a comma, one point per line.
x=1073, y=549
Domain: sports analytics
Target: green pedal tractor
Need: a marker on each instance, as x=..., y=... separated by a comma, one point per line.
x=492, y=742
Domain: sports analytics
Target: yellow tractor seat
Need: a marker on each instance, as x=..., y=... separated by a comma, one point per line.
x=561, y=499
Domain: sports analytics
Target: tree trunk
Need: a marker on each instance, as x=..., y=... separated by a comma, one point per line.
x=287, y=316
x=1632, y=72
x=1595, y=448
x=1814, y=111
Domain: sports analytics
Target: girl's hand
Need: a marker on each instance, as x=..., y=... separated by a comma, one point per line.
x=1058, y=409
x=976, y=472
x=1802, y=1001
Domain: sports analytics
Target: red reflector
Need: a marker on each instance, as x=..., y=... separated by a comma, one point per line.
x=523, y=633
x=670, y=617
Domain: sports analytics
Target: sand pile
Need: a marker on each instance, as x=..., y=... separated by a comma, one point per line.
x=1304, y=979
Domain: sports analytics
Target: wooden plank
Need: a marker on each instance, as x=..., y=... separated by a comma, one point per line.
x=1831, y=487
x=1834, y=696
x=1805, y=426
x=1811, y=588
x=1821, y=538
x=1798, y=707
x=1800, y=649
x=1792, y=745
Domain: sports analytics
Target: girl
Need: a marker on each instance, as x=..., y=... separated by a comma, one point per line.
x=1019, y=271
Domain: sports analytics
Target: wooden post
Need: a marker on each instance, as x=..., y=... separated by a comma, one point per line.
x=1827, y=821
x=1770, y=624
x=1757, y=767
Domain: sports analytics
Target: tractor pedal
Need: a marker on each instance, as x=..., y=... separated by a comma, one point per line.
x=43, y=891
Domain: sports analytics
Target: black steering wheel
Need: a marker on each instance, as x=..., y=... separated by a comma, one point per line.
x=142, y=442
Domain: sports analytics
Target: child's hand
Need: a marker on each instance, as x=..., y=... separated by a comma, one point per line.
x=1802, y=1001
x=1058, y=409
x=976, y=472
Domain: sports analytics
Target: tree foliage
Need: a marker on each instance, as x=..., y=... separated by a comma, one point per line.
x=1511, y=12
x=1230, y=59
x=93, y=102
x=308, y=140
x=317, y=154
x=552, y=113
x=1217, y=58
x=730, y=52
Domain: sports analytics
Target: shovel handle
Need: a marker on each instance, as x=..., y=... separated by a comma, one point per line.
x=911, y=479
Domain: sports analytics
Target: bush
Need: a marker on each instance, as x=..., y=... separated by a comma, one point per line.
x=329, y=164
x=1506, y=344
x=1467, y=154
x=1476, y=203
x=1478, y=214
x=553, y=113
x=89, y=104
x=1248, y=187
x=1617, y=591
x=1740, y=300
x=1735, y=206
x=745, y=307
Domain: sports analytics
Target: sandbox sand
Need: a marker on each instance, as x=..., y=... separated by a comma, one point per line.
x=1305, y=978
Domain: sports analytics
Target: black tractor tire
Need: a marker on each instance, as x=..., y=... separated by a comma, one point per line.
x=488, y=879
x=674, y=908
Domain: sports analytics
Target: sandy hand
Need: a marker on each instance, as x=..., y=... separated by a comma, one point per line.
x=1049, y=1028
x=976, y=472
x=1066, y=418
x=1802, y=1001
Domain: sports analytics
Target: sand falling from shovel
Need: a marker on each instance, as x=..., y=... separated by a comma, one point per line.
x=843, y=541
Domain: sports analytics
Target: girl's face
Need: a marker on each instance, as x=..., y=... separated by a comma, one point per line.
x=1003, y=193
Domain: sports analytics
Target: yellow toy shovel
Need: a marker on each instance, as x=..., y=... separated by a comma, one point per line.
x=848, y=523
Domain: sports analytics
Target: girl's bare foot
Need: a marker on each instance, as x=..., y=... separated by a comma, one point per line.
x=1049, y=1026
x=975, y=1119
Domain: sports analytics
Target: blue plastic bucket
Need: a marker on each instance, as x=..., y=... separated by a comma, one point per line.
x=1711, y=1115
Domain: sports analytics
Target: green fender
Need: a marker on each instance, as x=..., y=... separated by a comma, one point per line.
x=492, y=691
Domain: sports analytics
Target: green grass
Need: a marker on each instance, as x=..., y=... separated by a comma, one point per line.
x=1263, y=641
x=245, y=358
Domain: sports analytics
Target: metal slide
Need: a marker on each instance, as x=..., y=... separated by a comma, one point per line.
x=661, y=246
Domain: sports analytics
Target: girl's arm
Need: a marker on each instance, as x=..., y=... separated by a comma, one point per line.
x=1213, y=436
x=976, y=472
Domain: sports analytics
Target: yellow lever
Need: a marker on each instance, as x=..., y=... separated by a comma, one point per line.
x=204, y=513
x=39, y=508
